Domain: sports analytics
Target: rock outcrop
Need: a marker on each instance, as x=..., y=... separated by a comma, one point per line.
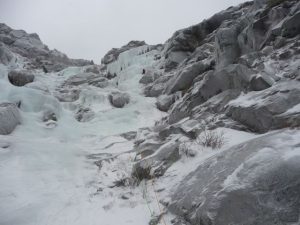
x=238, y=70
x=30, y=47
x=254, y=183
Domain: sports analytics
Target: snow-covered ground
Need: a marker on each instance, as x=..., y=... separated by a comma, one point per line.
x=48, y=175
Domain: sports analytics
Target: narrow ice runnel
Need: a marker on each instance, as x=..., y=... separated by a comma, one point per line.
x=46, y=175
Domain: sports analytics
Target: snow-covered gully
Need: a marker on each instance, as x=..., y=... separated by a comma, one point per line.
x=203, y=129
x=49, y=173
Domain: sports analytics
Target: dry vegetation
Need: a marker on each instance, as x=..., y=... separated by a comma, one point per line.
x=211, y=139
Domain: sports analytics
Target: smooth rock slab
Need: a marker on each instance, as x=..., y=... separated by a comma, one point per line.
x=257, y=182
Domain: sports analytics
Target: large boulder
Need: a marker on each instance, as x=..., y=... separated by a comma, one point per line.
x=164, y=102
x=154, y=90
x=257, y=182
x=184, y=79
x=234, y=76
x=119, y=99
x=263, y=111
x=259, y=83
x=9, y=118
x=149, y=77
x=20, y=77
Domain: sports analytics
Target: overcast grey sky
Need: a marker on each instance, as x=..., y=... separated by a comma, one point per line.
x=89, y=28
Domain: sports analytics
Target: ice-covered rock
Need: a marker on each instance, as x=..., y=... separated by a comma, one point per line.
x=49, y=116
x=227, y=48
x=81, y=78
x=100, y=82
x=20, y=77
x=9, y=118
x=114, y=53
x=119, y=99
x=84, y=115
x=5, y=54
x=67, y=94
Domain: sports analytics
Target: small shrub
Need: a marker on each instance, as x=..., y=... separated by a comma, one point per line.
x=186, y=150
x=211, y=139
x=272, y=3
